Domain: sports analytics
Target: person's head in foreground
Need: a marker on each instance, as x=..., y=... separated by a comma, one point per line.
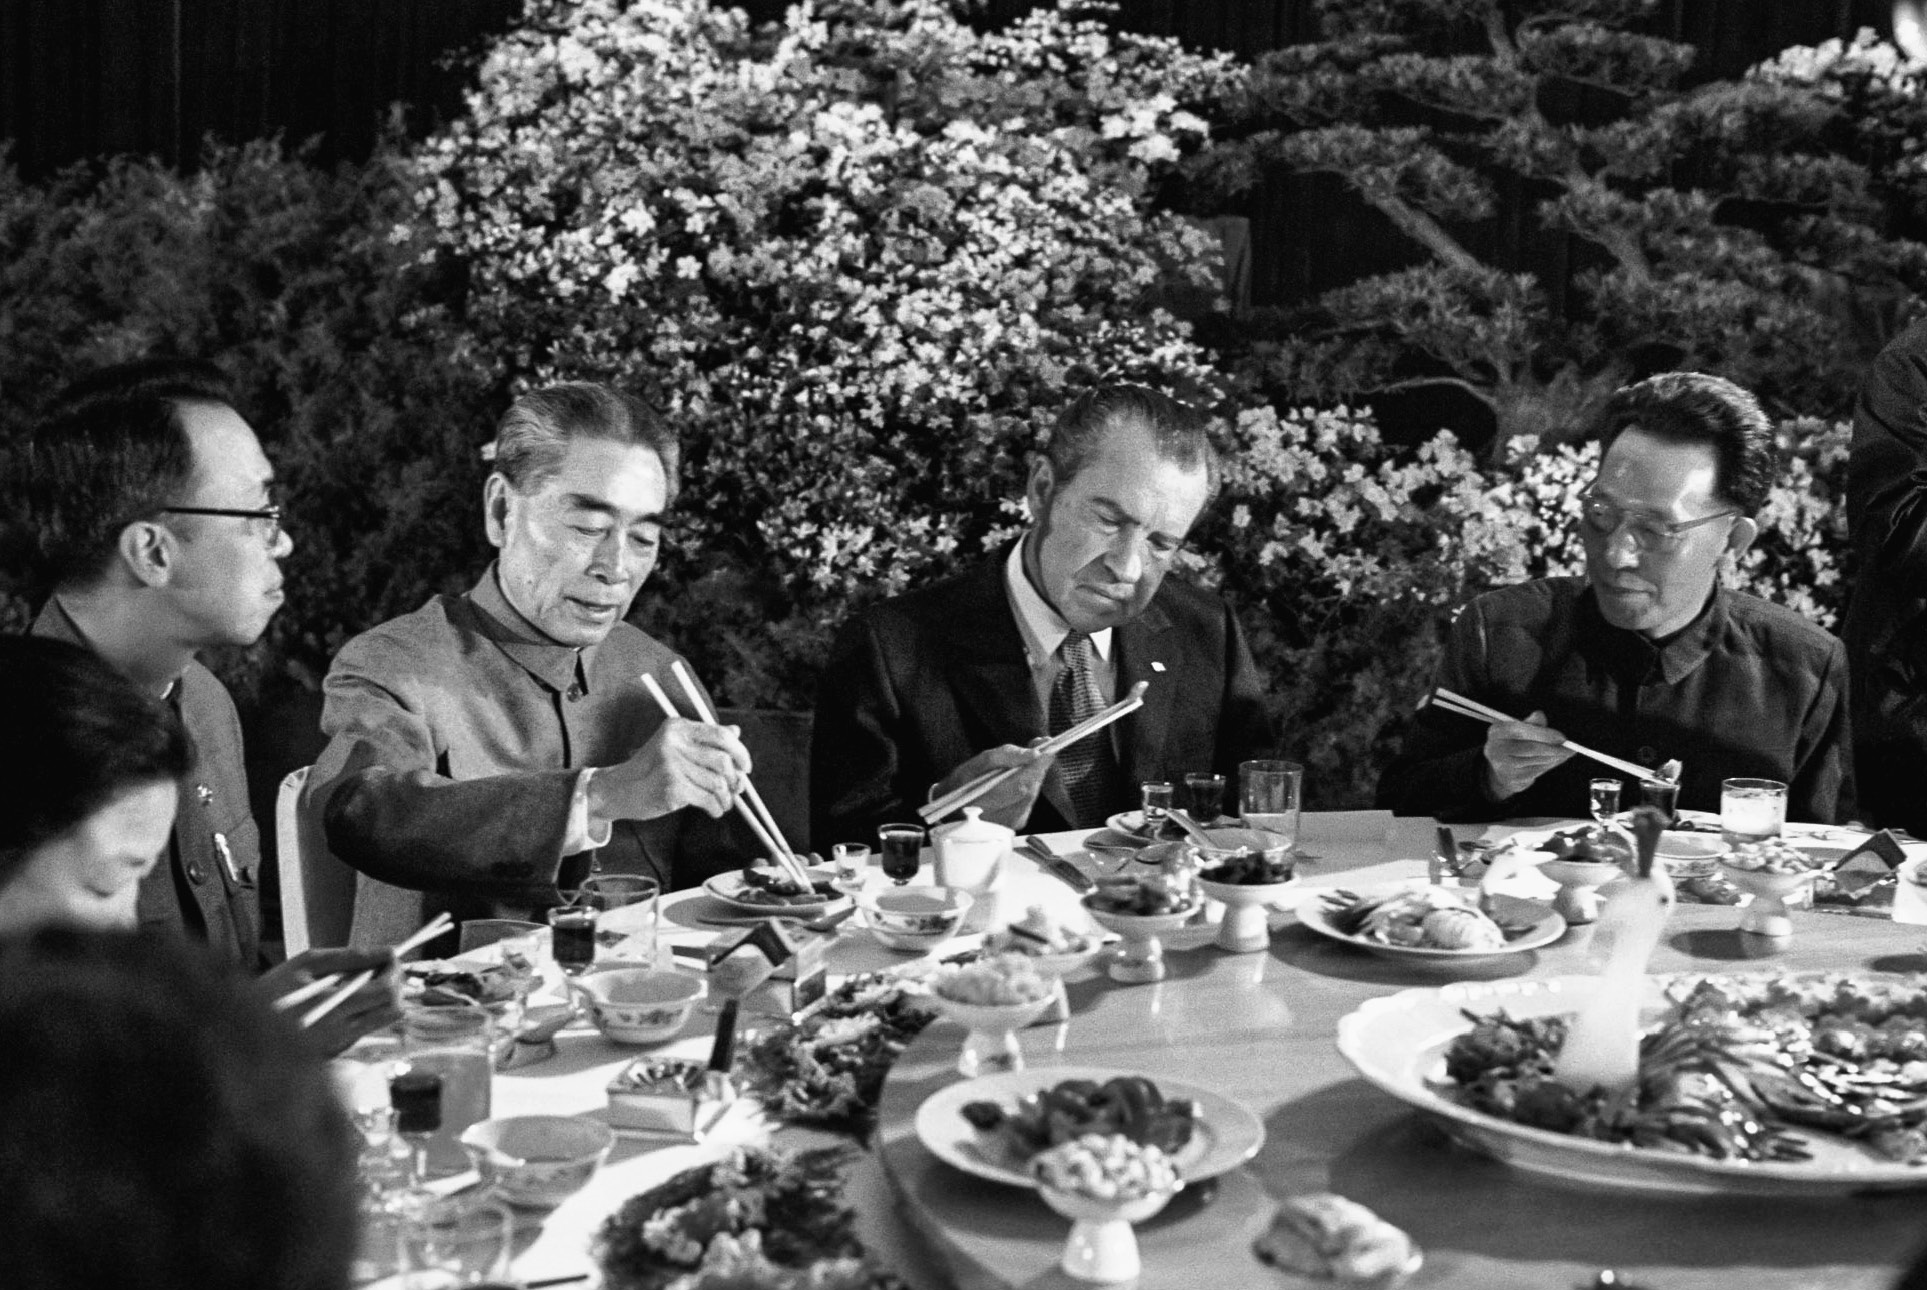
x=1687, y=460
x=153, y=503
x=87, y=806
x=583, y=475
x=160, y=1126
x=1112, y=498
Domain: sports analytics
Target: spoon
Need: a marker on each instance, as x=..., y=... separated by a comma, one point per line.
x=1602, y=1044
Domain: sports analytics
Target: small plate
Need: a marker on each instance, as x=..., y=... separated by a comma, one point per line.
x=1548, y=928
x=729, y=888
x=1227, y=1134
x=1131, y=825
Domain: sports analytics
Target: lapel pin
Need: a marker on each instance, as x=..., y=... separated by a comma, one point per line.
x=205, y=793
x=1156, y=666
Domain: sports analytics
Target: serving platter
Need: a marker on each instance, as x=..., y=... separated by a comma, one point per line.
x=1226, y=1136
x=1398, y=1042
x=729, y=888
x=1546, y=928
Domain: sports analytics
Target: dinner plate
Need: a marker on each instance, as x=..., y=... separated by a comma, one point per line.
x=729, y=888
x=1547, y=928
x=1226, y=1135
x=1398, y=1042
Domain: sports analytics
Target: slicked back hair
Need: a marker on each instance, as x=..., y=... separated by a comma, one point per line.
x=1693, y=407
x=87, y=735
x=111, y=450
x=535, y=433
x=1178, y=431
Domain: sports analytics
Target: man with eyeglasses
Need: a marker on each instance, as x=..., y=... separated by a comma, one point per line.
x=1647, y=657
x=489, y=750
x=929, y=690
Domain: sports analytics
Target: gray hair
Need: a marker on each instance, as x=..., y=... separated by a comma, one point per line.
x=1178, y=431
x=535, y=433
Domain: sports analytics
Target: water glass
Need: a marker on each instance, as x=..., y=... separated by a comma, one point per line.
x=850, y=859
x=456, y=1040
x=634, y=927
x=572, y=937
x=1269, y=794
x=1159, y=797
x=902, y=851
x=1605, y=799
x=1204, y=796
x=1663, y=796
x=1751, y=810
x=460, y=1241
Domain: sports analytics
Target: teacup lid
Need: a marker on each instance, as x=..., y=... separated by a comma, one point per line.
x=975, y=828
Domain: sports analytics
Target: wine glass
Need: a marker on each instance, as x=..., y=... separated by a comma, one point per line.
x=572, y=937
x=851, y=859
x=1604, y=795
x=902, y=851
x=416, y=1096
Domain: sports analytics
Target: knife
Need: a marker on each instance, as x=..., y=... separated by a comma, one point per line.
x=722, y=1054
x=1445, y=864
x=1067, y=873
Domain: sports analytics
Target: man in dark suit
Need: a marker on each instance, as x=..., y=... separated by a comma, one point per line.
x=926, y=691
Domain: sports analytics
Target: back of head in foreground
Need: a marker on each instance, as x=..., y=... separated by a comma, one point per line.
x=161, y=1127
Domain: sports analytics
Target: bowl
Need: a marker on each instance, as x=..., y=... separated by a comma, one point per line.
x=538, y=1160
x=638, y=1005
x=914, y=919
x=1230, y=841
x=1690, y=855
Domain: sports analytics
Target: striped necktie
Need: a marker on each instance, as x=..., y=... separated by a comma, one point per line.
x=1089, y=769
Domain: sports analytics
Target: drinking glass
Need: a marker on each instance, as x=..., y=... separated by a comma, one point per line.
x=1204, y=796
x=460, y=1241
x=902, y=851
x=1268, y=796
x=635, y=926
x=1751, y=810
x=851, y=859
x=572, y=937
x=455, y=1040
x=1605, y=799
x=1159, y=797
x=1663, y=795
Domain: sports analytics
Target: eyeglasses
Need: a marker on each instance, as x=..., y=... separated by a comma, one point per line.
x=272, y=514
x=1650, y=533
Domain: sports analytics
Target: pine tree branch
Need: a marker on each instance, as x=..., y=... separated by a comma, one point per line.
x=1484, y=396
x=1428, y=232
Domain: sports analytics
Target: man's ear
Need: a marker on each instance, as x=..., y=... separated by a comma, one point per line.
x=1040, y=485
x=1741, y=535
x=146, y=550
x=495, y=508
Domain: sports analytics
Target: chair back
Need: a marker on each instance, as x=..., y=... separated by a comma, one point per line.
x=317, y=890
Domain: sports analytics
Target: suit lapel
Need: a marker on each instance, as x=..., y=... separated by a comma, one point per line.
x=1146, y=651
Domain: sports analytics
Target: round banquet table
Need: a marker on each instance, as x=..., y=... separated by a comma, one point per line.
x=1260, y=1029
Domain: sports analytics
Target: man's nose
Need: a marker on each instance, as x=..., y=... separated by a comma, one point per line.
x=283, y=544
x=1125, y=559
x=1622, y=549
x=610, y=554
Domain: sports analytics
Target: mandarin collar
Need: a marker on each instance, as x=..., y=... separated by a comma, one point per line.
x=1631, y=654
x=555, y=665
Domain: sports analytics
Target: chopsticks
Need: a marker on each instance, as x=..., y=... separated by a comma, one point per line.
x=428, y=932
x=749, y=803
x=1465, y=707
x=958, y=798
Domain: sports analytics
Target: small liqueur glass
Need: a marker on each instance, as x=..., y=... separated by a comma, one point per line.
x=1159, y=797
x=1663, y=796
x=850, y=859
x=1604, y=794
x=572, y=937
x=902, y=846
x=1204, y=796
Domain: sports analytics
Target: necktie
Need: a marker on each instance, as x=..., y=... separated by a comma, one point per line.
x=1088, y=768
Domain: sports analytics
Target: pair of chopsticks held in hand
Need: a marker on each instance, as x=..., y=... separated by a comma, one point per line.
x=339, y=991
x=958, y=798
x=749, y=803
x=1447, y=701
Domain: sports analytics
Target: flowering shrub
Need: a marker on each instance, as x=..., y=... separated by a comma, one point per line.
x=860, y=258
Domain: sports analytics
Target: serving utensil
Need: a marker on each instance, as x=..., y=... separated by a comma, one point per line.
x=1464, y=707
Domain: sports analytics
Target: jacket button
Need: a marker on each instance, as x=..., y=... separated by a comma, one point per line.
x=1648, y=756
x=196, y=874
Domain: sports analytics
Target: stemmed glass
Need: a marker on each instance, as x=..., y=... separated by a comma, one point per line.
x=572, y=937
x=1604, y=795
x=851, y=859
x=902, y=851
x=416, y=1096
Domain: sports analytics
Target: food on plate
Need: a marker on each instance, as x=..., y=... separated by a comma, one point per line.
x=1250, y=869
x=1037, y=934
x=1159, y=892
x=485, y=983
x=998, y=980
x=1771, y=855
x=1439, y=918
x=659, y=1075
x=1592, y=844
x=1736, y=1068
x=1104, y=1166
x=1128, y=1105
x=1331, y=1238
x=772, y=886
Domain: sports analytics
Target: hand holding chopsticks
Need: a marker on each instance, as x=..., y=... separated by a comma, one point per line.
x=1447, y=701
x=343, y=990
x=960, y=797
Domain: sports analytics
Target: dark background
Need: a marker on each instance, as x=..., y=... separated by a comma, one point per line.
x=86, y=78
